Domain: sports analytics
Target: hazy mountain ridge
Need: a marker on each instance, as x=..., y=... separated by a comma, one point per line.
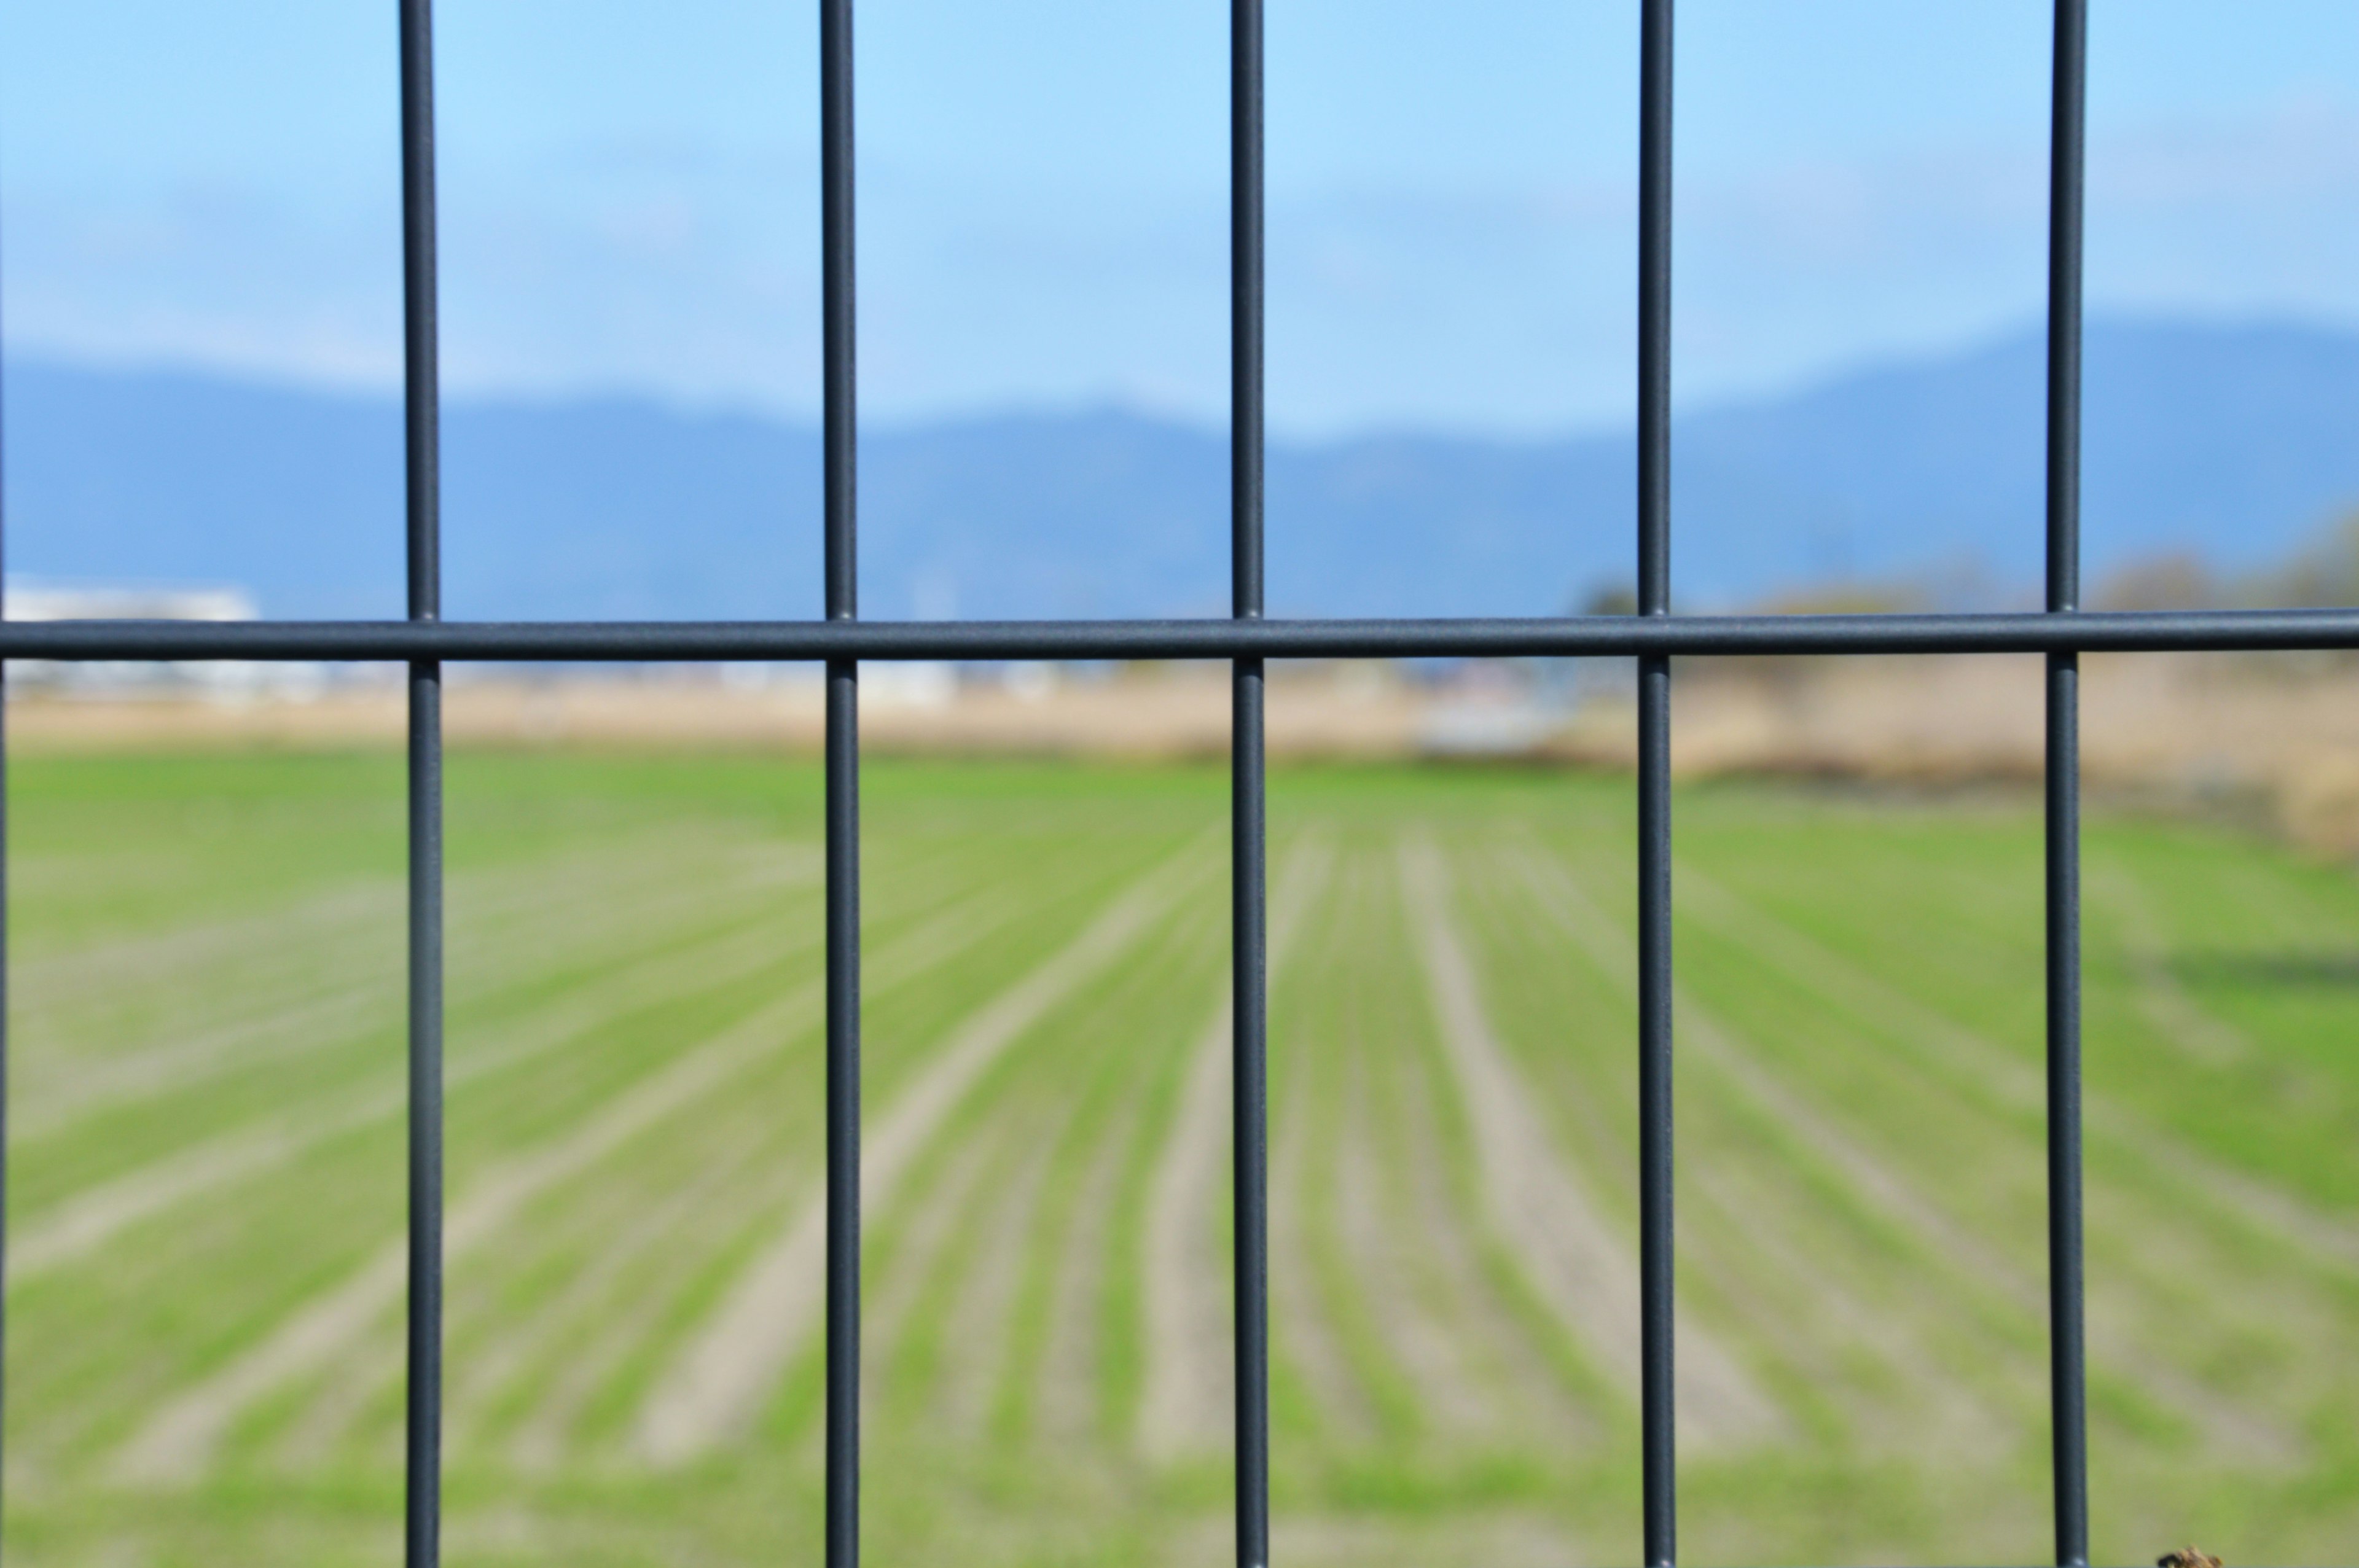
x=2233, y=442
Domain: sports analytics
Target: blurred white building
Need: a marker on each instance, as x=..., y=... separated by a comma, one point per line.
x=217, y=678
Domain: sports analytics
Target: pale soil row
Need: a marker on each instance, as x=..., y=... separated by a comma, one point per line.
x=1979, y=1267
x=100, y=970
x=575, y=922
x=1337, y=1306
x=325, y=996
x=177, y=1445
x=1367, y=1265
x=2215, y=1187
x=551, y=1436
x=87, y=1221
x=1976, y=1266
x=1588, y=1082
x=2164, y=1002
x=976, y=1305
x=1450, y=1394
x=488, y=964
x=2181, y=1270
x=1529, y=1350
x=1533, y=1393
x=939, y=1219
x=602, y=894
x=2013, y=1084
x=370, y=1373
x=490, y=967
x=359, y=912
x=1565, y=1247
x=1611, y=952
x=2166, y=1287
x=999, y=1283
x=1018, y=1309
x=1300, y=1336
x=158, y=1070
x=527, y=1346
x=1188, y=1403
x=734, y=1361
x=482, y=1377
x=1939, y=1417
x=972, y=1379
x=963, y=1243
x=1071, y=1390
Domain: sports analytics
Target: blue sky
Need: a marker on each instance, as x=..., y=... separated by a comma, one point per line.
x=629, y=193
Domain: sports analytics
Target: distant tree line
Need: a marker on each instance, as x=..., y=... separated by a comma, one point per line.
x=2323, y=574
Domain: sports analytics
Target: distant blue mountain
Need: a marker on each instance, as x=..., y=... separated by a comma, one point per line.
x=2233, y=442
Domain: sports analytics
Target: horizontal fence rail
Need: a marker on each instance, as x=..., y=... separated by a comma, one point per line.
x=786, y=642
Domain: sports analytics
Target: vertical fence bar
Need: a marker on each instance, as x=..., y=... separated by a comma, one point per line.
x=4, y=1000
x=1660, y=1474
x=422, y=1475
x=2068, y=1377
x=1247, y=820
x=842, y=437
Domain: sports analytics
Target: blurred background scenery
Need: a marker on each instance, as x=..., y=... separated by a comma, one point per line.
x=199, y=287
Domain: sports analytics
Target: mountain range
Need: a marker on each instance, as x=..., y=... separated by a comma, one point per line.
x=2233, y=442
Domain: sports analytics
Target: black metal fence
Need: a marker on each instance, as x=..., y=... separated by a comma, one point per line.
x=841, y=641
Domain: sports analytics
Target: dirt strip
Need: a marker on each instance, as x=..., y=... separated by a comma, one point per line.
x=85, y=1085
x=551, y=1436
x=992, y=1277
x=1951, y=1402
x=2323, y=1239
x=944, y=1215
x=1186, y=1404
x=1447, y=1226
x=339, y=1018
x=2235, y=1304
x=1304, y=1342
x=95, y=1216
x=1975, y=1265
x=1068, y=1388
x=735, y=1361
x=366, y=911
x=1438, y=1366
x=176, y=1447
x=1828, y=1325
x=543, y=1342
x=1571, y=1256
x=98, y=970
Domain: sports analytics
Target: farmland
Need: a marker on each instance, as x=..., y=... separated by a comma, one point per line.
x=205, y=1194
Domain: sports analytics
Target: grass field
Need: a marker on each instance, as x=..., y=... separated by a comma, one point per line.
x=206, y=1188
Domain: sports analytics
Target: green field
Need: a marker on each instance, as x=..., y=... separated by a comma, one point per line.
x=205, y=1192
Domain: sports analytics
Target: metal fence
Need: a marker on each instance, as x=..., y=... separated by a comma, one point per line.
x=841, y=641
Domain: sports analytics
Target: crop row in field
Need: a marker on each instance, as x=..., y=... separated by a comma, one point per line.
x=206, y=1278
